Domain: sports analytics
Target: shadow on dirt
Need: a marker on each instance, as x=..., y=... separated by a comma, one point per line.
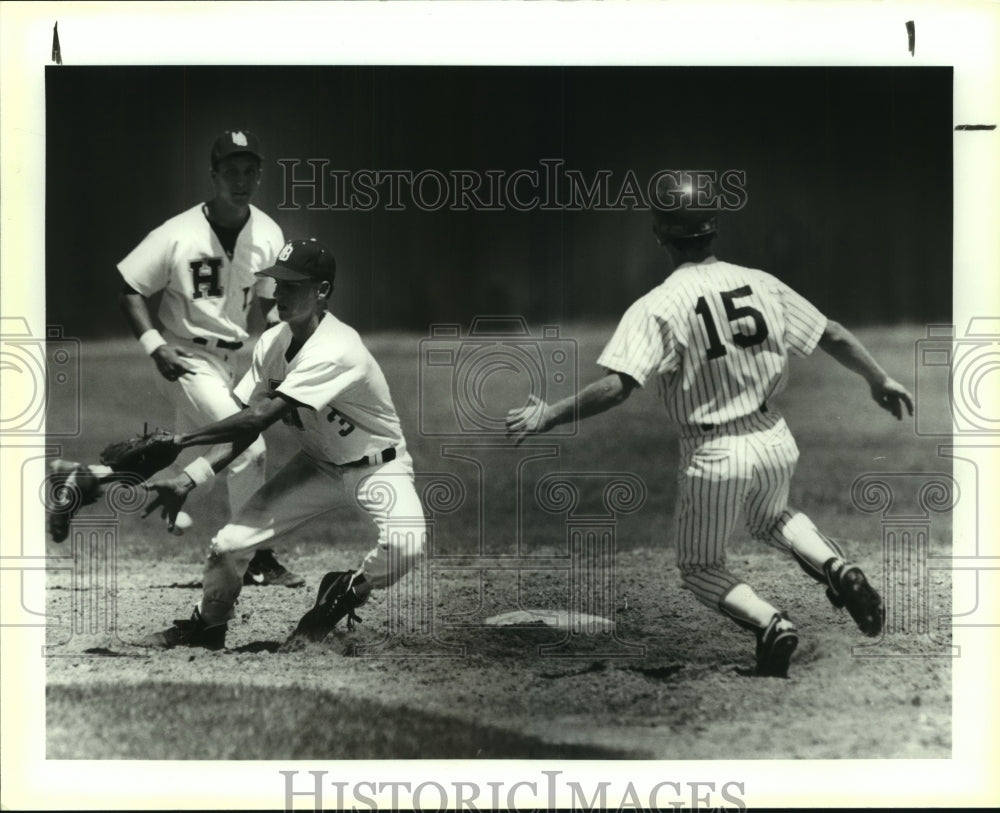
x=167, y=721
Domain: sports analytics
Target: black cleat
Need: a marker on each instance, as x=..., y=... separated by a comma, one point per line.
x=340, y=592
x=70, y=485
x=265, y=570
x=775, y=645
x=849, y=588
x=189, y=632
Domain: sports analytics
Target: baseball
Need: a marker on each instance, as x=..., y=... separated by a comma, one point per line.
x=182, y=523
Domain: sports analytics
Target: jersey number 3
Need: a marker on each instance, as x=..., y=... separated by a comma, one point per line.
x=733, y=312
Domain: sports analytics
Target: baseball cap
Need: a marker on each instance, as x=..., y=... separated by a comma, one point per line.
x=301, y=260
x=233, y=142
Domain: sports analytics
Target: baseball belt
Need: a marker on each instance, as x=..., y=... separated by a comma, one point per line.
x=373, y=459
x=222, y=343
x=708, y=427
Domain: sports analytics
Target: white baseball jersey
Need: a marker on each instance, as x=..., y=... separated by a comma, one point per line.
x=205, y=293
x=347, y=410
x=347, y=414
x=718, y=336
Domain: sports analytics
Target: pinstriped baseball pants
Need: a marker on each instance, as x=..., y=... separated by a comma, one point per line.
x=742, y=468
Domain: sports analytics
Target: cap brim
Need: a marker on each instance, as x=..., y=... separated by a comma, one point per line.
x=218, y=159
x=283, y=272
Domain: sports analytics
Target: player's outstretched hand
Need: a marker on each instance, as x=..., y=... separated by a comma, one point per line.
x=170, y=496
x=170, y=361
x=533, y=418
x=891, y=395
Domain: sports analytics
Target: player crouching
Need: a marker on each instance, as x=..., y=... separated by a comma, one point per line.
x=313, y=373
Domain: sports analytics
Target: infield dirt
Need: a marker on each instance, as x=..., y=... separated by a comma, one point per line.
x=671, y=683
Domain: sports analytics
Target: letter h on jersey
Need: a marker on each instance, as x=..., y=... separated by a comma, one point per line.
x=205, y=277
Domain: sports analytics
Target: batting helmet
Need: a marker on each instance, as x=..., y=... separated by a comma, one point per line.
x=685, y=205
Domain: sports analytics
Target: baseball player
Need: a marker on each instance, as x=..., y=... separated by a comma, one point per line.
x=313, y=373
x=716, y=339
x=204, y=262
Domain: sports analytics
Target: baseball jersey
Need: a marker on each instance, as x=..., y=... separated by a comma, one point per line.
x=717, y=336
x=205, y=293
x=347, y=412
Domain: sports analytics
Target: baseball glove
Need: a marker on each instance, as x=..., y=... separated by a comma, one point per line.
x=143, y=454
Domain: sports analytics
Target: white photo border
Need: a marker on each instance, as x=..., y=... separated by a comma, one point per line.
x=962, y=35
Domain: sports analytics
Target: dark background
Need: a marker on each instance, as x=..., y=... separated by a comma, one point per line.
x=849, y=180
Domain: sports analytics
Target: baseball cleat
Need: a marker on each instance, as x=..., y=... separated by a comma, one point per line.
x=265, y=570
x=775, y=645
x=340, y=592
x=71, y=485
x=189, y=632
x=849, y=588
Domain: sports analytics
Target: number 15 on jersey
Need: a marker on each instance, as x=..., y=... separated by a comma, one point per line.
x=758, y=333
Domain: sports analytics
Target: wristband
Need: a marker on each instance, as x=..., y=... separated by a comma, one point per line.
x=199, y=470
x=150, y=340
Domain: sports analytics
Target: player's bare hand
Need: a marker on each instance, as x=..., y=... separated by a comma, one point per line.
x=533, y=418
x=169, y=497
x=170, y=362
x=891, y=395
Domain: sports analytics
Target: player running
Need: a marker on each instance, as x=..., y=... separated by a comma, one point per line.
x=204, y=262
x=313, y=373
x=716, y=338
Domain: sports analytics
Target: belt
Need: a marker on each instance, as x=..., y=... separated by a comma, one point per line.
x=708, y=427
x=374, y=459
x=218, y=343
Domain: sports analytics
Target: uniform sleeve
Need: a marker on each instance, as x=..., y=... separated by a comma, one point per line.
x=264, y=286
x=641, y=345
x=252, y=386
x=804, y=324
x=317, y=381
x=147, y=267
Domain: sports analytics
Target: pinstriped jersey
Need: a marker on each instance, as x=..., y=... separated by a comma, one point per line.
x=205, y=293
x=717, y=336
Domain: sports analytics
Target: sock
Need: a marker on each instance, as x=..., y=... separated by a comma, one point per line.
x=810, y=548
x=746, y=608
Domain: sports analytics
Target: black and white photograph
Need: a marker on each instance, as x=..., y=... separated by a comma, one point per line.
x=628, y=421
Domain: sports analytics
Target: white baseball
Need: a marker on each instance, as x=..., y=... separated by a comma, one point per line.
x=182, y=522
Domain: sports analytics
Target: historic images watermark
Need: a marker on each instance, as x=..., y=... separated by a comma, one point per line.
x=41, y=407
x=467, y=379
x=906, y=502
x=41, y=392
x=310, y=183
x=955, y=400
x=496, y=352
x=966, y=366
x=550, y=790
x=39, y=371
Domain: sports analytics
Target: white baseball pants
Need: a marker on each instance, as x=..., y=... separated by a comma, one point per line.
x=305, y=489
x=205, y=397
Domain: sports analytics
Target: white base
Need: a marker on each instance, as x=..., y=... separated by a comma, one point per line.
x=560, y=619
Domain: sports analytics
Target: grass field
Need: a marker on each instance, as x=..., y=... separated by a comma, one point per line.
x=670, y=683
